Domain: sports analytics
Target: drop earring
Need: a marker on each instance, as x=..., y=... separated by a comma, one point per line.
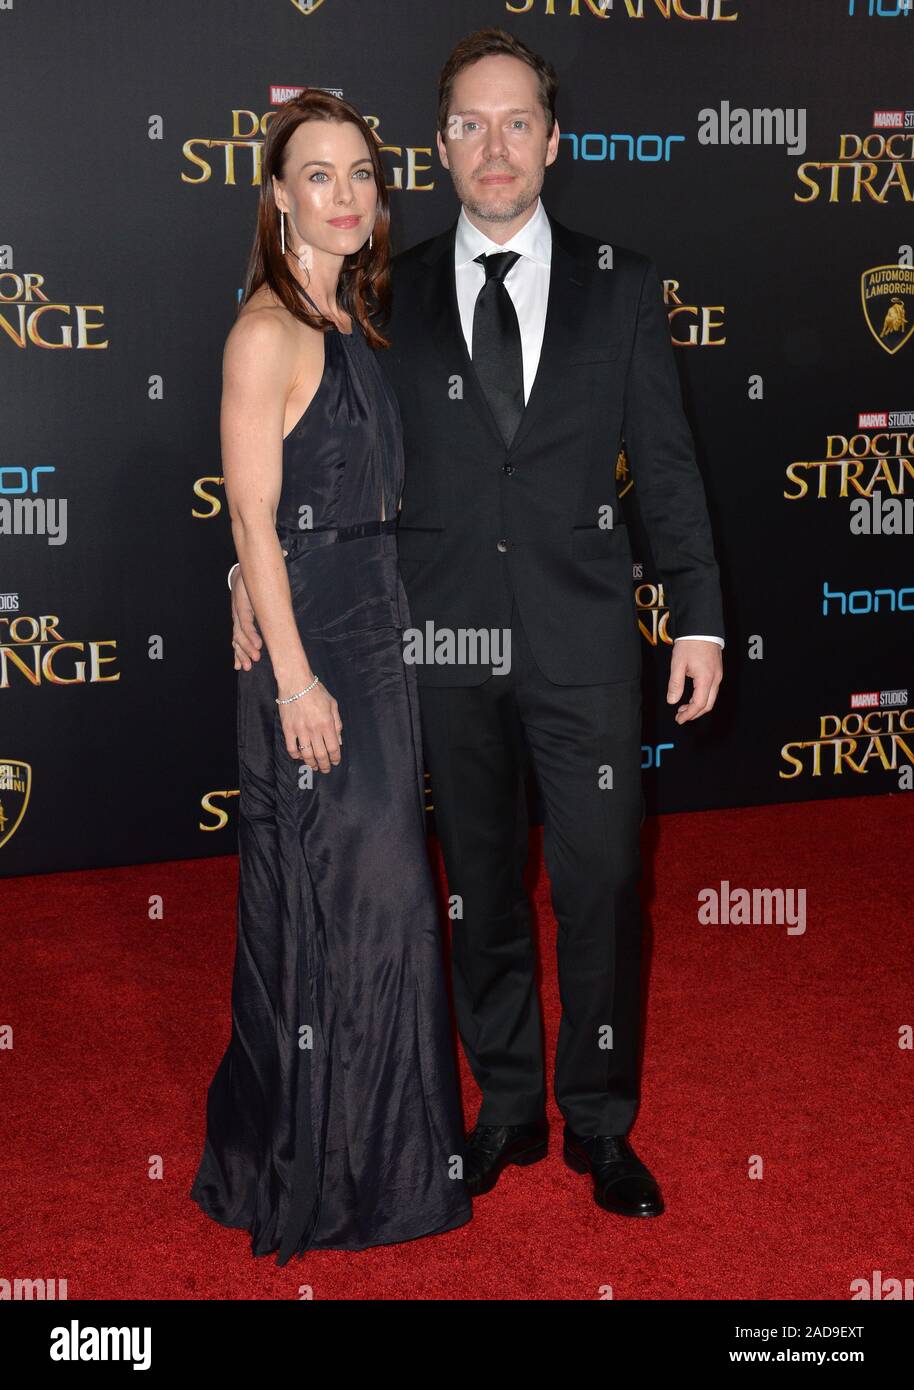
x=370, y=239
x=303, y=254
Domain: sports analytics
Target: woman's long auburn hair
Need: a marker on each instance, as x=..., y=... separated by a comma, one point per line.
x=364, y=284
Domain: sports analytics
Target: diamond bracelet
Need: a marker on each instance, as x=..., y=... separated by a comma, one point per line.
x=298, y=693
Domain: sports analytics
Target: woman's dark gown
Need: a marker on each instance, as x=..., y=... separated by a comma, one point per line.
x=333, y=1119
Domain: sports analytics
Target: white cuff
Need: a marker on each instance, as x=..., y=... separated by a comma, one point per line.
x=231, y=572
x=699, y=638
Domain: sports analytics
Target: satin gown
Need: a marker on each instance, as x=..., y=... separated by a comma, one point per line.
x=333, y=1118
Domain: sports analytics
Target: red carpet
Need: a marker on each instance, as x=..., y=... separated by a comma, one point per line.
x=757, y=1042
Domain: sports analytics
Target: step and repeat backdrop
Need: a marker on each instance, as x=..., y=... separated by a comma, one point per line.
x=760, y=151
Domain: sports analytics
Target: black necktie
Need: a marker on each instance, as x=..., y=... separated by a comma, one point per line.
x=497, y=357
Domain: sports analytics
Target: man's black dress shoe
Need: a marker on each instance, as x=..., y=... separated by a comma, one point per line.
x=621, y=1182
x=490, y=1148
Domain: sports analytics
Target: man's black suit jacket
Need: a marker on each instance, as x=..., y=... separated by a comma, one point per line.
x=480, y=520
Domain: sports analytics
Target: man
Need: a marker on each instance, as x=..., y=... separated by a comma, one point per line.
x=521, y=352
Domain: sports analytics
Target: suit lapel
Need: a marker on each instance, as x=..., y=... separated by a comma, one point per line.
x=443, y=316
x=564, y=314
x=564, y=311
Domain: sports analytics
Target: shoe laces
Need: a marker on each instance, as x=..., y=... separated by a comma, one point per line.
x=608, y=1148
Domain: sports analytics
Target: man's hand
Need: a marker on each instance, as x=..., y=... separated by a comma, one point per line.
x=246, y=640
x=703, y=663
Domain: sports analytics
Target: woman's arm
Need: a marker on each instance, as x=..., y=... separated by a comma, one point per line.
x=256, y=382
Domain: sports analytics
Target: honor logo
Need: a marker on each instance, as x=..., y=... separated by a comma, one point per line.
x=864, y=602
x=881, y=9
x=596, y=145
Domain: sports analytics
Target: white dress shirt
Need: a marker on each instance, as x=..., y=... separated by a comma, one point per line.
x=527, y=283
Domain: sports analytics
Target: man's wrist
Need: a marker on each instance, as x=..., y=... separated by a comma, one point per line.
x=699, y=637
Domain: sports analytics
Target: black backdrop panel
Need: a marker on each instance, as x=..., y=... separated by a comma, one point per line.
x=130, y=136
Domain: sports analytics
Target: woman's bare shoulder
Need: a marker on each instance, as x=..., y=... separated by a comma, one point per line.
x=262, y=317
x=268, y=350
x=265, y=324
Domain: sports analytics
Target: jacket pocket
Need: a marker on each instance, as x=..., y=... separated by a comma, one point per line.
x=595, y=542
x=583, y=356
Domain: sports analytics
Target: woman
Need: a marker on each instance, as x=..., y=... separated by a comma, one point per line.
x=333, y=1120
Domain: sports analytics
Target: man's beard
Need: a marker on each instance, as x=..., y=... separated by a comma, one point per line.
x=521, y=199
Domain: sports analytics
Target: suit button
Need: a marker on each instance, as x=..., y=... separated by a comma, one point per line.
x=502, y=546
x=508, y=468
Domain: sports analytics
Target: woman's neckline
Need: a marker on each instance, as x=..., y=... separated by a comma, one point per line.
x=335, y=329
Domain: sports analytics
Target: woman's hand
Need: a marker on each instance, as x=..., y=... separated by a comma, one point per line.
x=314, y=721
x=246, y=640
